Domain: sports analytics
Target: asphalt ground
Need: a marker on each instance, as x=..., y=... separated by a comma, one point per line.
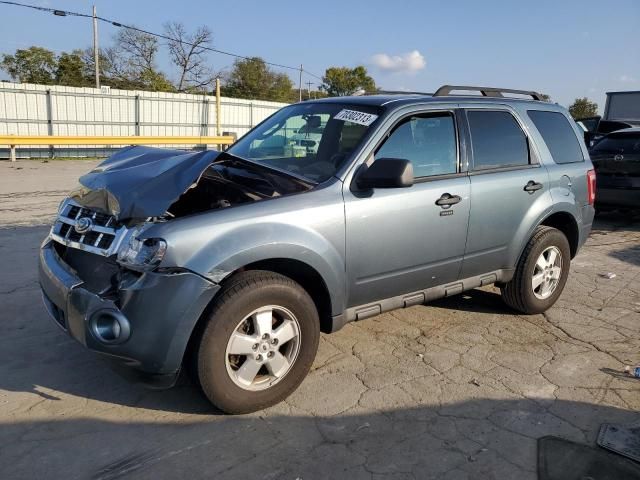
x=458, y=389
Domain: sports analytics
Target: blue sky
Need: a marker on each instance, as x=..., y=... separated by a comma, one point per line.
x=566, y=48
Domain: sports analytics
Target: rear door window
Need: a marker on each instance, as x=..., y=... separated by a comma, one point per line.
x=497, y=141
x=557, y=133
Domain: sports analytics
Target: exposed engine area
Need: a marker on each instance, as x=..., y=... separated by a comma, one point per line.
x=223, y=185
x=212, y=192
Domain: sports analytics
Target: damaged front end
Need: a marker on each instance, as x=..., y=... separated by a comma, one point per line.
x=101, y=285
x=141, y=320
x=103, y=280
x=140, y=183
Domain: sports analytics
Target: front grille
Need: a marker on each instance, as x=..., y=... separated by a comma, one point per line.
x=102, y=234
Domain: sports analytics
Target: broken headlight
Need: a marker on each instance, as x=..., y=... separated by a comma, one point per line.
x=141, y=253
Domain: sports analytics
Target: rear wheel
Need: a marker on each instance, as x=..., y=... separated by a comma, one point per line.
x=541, y=272
x=259, y=342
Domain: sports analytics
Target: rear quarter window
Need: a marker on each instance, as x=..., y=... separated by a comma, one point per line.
x=557, y=133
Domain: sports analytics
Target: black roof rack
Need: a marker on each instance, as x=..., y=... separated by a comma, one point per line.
x=396, y=92
x=446, y=90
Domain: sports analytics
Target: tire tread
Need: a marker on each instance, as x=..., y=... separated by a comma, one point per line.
x=513, y=293
x=231, y=291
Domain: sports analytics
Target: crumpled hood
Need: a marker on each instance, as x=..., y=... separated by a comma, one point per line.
x=141, y=182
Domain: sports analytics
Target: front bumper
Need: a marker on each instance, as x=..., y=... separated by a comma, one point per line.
x=162, y=310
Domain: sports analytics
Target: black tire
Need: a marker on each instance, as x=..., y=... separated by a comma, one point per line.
x=241, y=295
x=518, y=293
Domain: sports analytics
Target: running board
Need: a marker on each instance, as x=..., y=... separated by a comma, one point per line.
x=420, y=297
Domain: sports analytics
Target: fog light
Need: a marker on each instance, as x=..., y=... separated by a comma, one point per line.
x=110, y=326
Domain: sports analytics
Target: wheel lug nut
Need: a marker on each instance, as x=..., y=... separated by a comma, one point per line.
x=255, y=346
x=259, y=358
x=274, y=341
x=265, y=336
x=270, y=354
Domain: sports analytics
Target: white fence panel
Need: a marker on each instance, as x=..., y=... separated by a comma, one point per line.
x=30, y=109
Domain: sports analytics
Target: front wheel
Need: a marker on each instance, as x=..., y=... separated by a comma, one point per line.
x=541, y=273
x=259, y=342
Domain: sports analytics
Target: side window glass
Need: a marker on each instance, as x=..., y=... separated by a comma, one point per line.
x=558, y=135
x=496, y=140
x=427, y=141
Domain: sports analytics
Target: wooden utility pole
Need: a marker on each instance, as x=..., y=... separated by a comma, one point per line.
x=300, y=84
x=96, y=54
x=218, y=125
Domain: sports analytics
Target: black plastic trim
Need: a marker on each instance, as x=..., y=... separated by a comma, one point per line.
x=504, y=169
x=435, y=178
x=360, y=312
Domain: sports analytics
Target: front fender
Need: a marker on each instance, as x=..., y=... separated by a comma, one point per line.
x=264, y=241
x=308, y=228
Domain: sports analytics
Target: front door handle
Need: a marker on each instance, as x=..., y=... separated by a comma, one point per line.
x=532, y=187
x=446, y=200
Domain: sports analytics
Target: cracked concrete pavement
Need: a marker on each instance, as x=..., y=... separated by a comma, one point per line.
x=457, y=389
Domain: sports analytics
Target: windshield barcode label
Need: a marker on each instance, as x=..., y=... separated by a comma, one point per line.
x=354, y=116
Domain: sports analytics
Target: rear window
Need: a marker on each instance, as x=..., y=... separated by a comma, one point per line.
x=496, y=140
x=619, y=143
x=557, y=133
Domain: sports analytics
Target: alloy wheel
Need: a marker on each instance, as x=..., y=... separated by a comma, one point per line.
x=263, y=348
x=546, y=273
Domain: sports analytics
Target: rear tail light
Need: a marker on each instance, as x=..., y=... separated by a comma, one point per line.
x=591, y=186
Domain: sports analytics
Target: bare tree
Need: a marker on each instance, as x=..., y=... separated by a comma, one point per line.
x=112, y=64
x=139, y=48
x=130, y=63
x=188, y=54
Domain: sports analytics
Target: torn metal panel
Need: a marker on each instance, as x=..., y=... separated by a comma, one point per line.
x=140, y=182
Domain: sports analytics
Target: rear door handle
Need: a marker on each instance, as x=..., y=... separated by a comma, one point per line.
x=446, y=200
x=532, y=187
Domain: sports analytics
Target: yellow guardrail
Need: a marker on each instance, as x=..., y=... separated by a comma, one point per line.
x=17, y=140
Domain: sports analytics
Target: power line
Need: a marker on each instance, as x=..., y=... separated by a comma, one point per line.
x=65, y=13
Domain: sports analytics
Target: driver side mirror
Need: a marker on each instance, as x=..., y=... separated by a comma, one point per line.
x=386, y=173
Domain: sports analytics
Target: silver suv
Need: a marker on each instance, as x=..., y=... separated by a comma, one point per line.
x=232, y=263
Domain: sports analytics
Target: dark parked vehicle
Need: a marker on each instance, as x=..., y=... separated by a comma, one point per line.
x=622, y=110
x=234, y=262
x=616, y=159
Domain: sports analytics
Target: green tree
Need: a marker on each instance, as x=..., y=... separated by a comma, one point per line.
x=156, y=81
x=339, y=81
x=71, y=70
x=252, y=78
x=582, y=108
x=33, y=65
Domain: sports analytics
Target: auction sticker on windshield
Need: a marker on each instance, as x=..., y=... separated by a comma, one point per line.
x=354, y=116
